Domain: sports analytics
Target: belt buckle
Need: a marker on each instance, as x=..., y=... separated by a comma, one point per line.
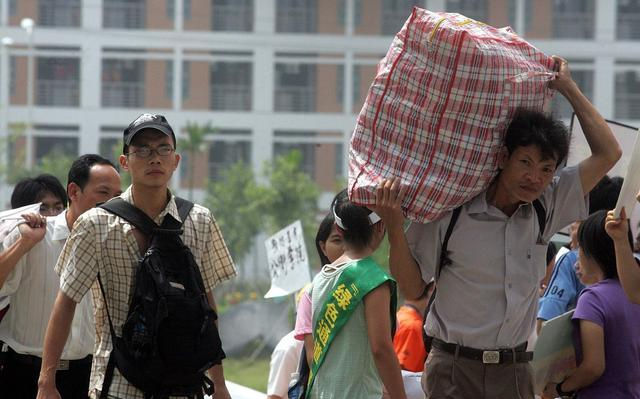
x=490, y=357
x=63, y=365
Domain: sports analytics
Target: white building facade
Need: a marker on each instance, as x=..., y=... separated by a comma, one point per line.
x=268, y=75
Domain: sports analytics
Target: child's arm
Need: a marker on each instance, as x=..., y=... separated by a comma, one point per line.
x=376, y=310
x=628, y=268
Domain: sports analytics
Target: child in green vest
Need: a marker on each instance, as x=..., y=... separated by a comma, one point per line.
x=354, y=303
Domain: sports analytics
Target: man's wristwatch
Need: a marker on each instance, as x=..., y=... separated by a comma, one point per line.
x=564, y=394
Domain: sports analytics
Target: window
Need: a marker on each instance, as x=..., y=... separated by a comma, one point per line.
x=474, y=9
x=232, y=15
x=13, y=60
x=628, y=26
x=124, y=14
x=59, y=12
x=110, y=148
x=58, y=82
x=186, y=79
x=342, y=12
x=295, y=87
x=168, y=80
x=573, y=19
x=13, y=7
x=122, y=83
x=231, y=86
x=171, y=11
x=627, y=94
x=584, y=80
x=322, y=154
x=296, y=16
x=225, y=154
x=52, y=146
x=395, y=13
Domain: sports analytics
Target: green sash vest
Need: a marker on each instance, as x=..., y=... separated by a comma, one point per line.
x=355, y=282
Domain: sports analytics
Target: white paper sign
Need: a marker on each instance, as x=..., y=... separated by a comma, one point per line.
x=631, y=185
x=11, y=218
x=288, y=261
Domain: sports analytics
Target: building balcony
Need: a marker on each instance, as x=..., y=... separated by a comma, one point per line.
x=628, y=26
x=573, y=25
x=230, y=97
x=295, y=99
x=59, y=13
x=123, y=94
x=237, y=17
x=124, y=15
x=627, y=105
x=58, y=93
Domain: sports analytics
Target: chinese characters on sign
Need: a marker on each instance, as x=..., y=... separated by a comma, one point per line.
x=288, y=261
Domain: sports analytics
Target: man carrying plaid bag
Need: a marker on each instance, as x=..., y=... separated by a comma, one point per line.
x=488, y=255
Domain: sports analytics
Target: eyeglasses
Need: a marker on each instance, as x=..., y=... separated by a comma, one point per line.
x=146, y=152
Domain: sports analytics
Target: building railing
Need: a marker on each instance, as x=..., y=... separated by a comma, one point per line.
x=226, y=97
x=295, y=99
x=296, y=19
x=61, y=93
x=232, y=17
x=628, y=26
x=124, y=14
x=573, y=25
x=123, y=94
x=59, y=13
x=627, y=105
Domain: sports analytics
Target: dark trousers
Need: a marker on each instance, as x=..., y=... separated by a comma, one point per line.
x=19, y=378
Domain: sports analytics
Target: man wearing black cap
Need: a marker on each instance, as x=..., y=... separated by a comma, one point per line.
x=104, y=243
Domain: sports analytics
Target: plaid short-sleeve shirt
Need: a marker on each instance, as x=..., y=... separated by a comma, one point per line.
x=101, y=242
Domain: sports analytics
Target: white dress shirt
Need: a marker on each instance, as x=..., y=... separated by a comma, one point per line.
x=33, y=286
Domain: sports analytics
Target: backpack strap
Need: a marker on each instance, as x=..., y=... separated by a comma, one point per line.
x=131, y=214
x=444, y=261
x=184, y=207
x=108, y=376
x=541, y=213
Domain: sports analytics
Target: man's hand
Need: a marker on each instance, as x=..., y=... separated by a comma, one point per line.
x=33, y=231
x=47, y=390
x=389, y=196
x=550, y=390
x=563, y=82
x=617, y=229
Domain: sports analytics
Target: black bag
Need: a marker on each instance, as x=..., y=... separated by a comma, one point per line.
x=541, y=214
x=298, y=389
x=169, y=338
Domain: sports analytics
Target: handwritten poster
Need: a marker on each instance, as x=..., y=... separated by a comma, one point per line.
x=288, y=261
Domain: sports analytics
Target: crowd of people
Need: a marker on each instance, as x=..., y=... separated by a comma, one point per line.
x=109, y=291
x=478, y=283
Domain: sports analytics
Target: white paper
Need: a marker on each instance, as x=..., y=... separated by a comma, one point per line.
x=288, y=261
x=631, y=185
x=11, y=218
x=554, y=355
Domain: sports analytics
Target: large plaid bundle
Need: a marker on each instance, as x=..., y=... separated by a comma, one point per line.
x=437, y=111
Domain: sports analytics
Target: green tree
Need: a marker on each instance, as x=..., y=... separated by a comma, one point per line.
x=193, y=144
x=125, y=177
x=237, y=201
x=293, y=195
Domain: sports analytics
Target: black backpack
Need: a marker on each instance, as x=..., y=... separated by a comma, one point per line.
x=169, y=338
x=541, y=214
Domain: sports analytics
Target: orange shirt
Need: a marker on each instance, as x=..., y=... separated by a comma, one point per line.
x=408, y=342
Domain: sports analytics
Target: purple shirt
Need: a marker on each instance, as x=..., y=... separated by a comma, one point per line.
x=605, y=304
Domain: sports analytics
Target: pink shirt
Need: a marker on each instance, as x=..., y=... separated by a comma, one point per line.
x=303, y=318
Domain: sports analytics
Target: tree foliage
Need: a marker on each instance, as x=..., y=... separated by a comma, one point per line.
x=192, y=144
x=243, y=207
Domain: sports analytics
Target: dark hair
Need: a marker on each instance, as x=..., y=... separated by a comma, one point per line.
x=81, y=168
x=357, y=230
x=324, y=231
x=535, y=128
x=597, y=245
x=605, y=194
x=31, y=190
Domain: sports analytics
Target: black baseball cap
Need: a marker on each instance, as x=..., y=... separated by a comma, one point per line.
x=148, y=121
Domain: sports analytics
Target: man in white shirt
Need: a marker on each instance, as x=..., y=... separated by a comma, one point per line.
x=27, y=275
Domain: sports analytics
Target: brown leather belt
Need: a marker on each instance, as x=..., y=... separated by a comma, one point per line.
x=498, y=356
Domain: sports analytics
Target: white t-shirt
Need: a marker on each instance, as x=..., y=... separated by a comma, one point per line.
x=284, y=362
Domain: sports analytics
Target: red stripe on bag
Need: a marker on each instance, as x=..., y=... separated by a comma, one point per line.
x=379, y=107
x=437, y=130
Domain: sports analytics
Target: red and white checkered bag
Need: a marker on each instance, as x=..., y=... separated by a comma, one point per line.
x=436, y=113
